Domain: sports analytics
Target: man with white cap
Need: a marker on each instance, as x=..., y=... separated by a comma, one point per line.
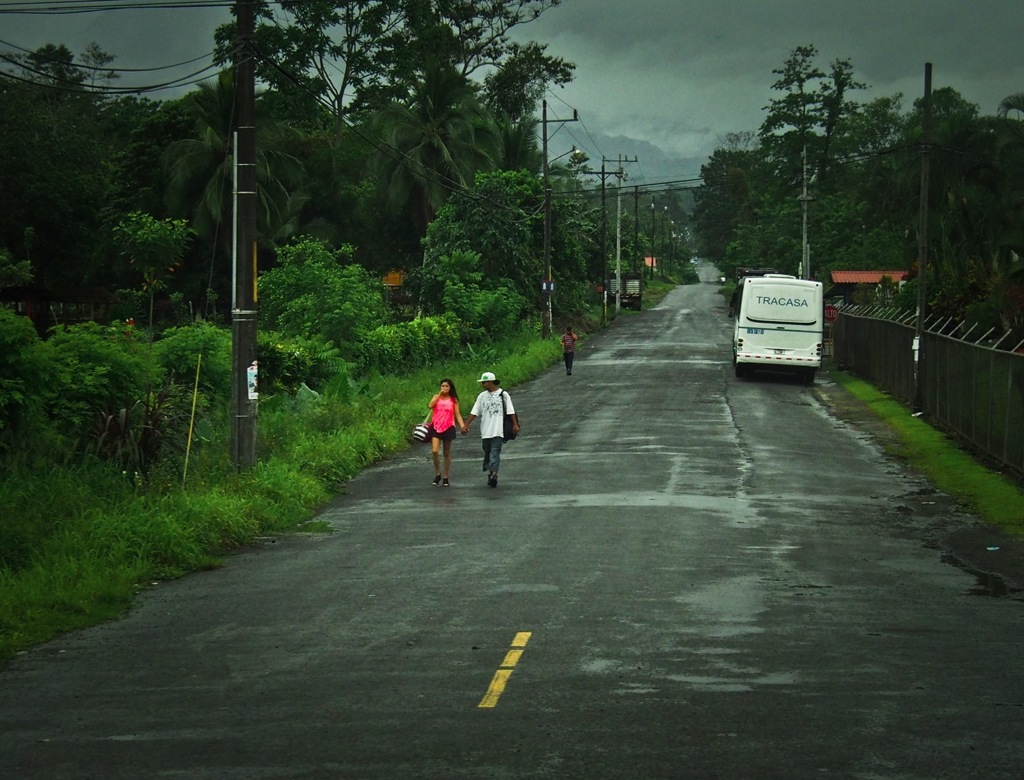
x=491, y=406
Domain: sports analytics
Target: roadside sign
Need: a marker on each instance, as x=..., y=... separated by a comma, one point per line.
x=831, y=313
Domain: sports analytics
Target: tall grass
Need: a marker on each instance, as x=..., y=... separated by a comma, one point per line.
x=78, y=540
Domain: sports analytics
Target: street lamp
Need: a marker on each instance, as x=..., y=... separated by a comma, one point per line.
x=671, y=242
x=653, y=259
x=664, y=226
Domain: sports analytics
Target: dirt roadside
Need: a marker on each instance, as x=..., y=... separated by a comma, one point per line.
x=995, y=557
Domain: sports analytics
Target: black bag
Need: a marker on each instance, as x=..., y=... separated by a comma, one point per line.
x=508, y=433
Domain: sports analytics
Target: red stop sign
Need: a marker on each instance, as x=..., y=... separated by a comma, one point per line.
x=831, y=313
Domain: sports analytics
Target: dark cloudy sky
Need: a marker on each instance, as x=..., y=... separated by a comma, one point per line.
x=681, y=74
x=654, y=77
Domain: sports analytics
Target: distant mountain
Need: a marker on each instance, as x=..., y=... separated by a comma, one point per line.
x=653, y=167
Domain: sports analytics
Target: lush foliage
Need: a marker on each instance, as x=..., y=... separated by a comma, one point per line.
x=79, y=538
x=313, y=293
x=26, y=372
x=114, y=437
x=397, y=348
x=863, y=174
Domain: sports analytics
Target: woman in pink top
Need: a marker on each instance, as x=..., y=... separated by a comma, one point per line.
x=445, y=413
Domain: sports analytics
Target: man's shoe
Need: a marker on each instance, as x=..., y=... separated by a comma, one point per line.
x=437, y=480
x=492, y=480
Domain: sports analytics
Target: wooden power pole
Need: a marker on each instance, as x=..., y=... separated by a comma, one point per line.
x=243, y=314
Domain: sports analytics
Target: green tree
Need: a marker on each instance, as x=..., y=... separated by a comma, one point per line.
x=314, y=292
x=468, y=35
x=155, y=248
x=54, y=157
x=13, y=273
x=520, y=150
x=500, y=220
x=837, y=110
x=726, y=199
x=792, y=119
x=812, y=111
x=433, y=144
x=200, y=170
x=515, y=89
x=27, y=373
x=324, y=52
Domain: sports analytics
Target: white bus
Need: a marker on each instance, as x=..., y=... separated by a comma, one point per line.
x=778, y=325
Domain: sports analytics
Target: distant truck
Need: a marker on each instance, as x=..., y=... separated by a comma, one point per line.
x=779, y=325
x=632, y=291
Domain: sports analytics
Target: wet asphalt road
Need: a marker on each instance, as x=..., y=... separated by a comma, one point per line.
x=681, y=575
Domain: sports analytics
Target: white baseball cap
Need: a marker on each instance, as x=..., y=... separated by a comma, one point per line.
x=487, y=376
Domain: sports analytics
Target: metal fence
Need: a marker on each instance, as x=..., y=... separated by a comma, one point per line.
x=972, y=384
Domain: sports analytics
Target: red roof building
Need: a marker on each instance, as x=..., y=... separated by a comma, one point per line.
x=845, y=283
x=867, y=277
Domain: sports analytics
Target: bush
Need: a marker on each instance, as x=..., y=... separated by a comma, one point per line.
x=488, y=314
x=98, y=368
x=27, y=372
x=287, y=362
x=313, y=294
x=179, y=349
x=395, y=349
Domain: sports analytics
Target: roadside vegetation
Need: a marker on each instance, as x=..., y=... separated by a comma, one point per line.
x=101, y=499
x=996, y=498
x=83, y=532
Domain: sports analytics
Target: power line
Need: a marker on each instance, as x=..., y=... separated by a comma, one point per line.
x=105, y=90
x=105, y=69
x=69, y=7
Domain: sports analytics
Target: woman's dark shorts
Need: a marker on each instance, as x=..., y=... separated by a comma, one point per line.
x=448, y=435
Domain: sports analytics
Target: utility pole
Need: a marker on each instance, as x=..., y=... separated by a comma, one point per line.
x=664, y=231
x=805, y=254
x=637, y=257
x=243, y=314
x=653, y=260
x=604, y=248
x=922, y=244
x=620, y=175
x=604, y=173
x=671, y=243
x=548, y=284
x=618, y=241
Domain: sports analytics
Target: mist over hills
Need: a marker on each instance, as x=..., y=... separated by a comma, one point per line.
x=654, y=167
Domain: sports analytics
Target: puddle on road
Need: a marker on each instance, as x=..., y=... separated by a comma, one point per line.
x=987, y=584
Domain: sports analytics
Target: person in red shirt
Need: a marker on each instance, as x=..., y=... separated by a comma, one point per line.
x=568, y=348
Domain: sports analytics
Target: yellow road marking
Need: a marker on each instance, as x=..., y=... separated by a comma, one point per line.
x=496, y=688
x=511, y=658
x=500, y=679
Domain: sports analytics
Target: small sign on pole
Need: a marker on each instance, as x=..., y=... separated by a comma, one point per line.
x=547, y=286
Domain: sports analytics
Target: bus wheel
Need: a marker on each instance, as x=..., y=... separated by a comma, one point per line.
x=741, y=370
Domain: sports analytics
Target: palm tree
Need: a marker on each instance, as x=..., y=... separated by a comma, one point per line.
x=519, y=148
x=200, y=168
x=433, y=144
x=1012, y=103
